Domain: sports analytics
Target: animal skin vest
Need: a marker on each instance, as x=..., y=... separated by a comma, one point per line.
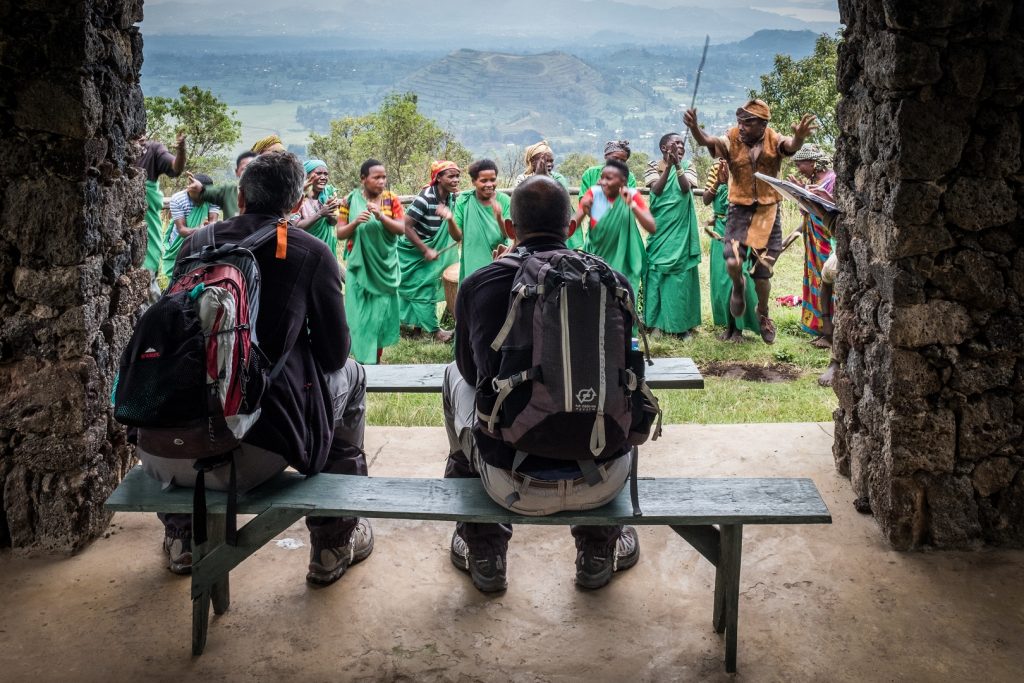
x=744, y=189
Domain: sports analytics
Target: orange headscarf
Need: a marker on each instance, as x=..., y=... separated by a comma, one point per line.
x=439, y=167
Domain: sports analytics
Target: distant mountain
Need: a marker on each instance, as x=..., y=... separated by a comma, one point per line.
x=795, y=43
x=528, y=25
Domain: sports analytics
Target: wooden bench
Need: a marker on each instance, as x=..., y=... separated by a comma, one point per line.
x=691, y=507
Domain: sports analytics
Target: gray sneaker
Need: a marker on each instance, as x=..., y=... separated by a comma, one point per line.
x=327, y=565
x=487, y=571
x=595, y=565
x=179, y=554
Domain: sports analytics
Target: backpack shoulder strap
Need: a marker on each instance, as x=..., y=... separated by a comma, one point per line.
x=260, y=237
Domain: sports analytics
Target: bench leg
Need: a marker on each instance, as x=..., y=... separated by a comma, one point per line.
x=209, y=592
x=727, y=584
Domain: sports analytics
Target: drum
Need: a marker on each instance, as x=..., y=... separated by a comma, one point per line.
x=450, y=278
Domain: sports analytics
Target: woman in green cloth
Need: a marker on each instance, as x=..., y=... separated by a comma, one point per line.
x=186, y=217
x=426, y=250
x=614, y=212
x=318, y=212
x=716, y=193
x=371, y=217
x=155, y=161
x=672, y=284
x=613, y=149
x=478, y=218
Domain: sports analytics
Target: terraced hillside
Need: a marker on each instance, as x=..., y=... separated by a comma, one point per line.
x=508, y=94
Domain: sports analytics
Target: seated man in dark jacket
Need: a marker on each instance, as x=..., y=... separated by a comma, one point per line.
x=316, y=406
x=540, y=218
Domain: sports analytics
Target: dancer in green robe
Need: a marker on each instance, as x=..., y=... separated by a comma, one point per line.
x=318, y=212
x=614, y=211
x=716, y=194
x=372, y=218
x=613, y=149
x=155, y=161
x=672, y=284
x=426, y=250
x=187, y=216
x=478, y=218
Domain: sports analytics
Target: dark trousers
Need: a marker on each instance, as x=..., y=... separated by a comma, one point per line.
x=348, y=388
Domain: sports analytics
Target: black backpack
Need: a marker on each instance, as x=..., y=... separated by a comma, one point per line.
x=570, y=385
x=192, y=375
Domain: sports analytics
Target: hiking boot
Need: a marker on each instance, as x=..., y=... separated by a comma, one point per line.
x=179, y=554
x=595, y=565
x=327, y=565
x=767, y=329
x=487, y=571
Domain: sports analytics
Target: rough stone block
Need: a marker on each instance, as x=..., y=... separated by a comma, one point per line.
x=979, y=203
x=974, y=376
x=920, y=441
x=65, y=106
x=953, y=513
x=993, y=475
x=986, y=424
x=897, y=62
x=935, y=322
x=971, y=278
x=931, y=136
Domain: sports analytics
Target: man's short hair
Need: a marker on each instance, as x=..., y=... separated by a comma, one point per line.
x=478, y=167
x=665, y=138
x=540, y=206
x=272, y=183
x=618, y=166
x=247, y=154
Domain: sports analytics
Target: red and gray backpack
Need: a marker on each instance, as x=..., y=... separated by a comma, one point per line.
x=192, y=374
x=570, y=386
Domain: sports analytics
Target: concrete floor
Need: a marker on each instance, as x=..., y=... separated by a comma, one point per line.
x=818, y=603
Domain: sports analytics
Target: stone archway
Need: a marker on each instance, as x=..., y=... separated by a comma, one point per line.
x=930, y=328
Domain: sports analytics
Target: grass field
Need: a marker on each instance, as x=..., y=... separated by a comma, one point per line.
x=787, y=390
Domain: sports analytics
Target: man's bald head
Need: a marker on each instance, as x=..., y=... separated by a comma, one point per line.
x=540, y=206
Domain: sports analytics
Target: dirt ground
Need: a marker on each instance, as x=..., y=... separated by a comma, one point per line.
x=818, y=603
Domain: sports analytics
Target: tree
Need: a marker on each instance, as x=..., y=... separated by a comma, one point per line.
x=805, y=86
x=638, y=166
x=511, y=164
x=397, y=134
x=574, y=164
x=211, y=127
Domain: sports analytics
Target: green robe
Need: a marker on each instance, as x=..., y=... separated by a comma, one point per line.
x=617, y=240
x=721, y=283
x=421, y=289
x=154, y=227
x=173, y=241
x=672, y=283
x=371, y=285
x=481, y=233
x=224, y=195
x=579, y=239
x=321, y=228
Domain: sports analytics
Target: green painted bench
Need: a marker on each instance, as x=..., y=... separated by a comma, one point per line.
x=691, y=507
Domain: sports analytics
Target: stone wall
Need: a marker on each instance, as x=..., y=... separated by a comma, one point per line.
x=930, y=319
x=71, y=241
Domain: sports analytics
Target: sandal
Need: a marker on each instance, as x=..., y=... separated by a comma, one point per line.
x=767, y=329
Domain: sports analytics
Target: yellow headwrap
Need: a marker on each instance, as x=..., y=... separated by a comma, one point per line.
x=263, y=144
x=541, y=147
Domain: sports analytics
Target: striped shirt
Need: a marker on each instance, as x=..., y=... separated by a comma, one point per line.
x=181, y=205
x=423, y=212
